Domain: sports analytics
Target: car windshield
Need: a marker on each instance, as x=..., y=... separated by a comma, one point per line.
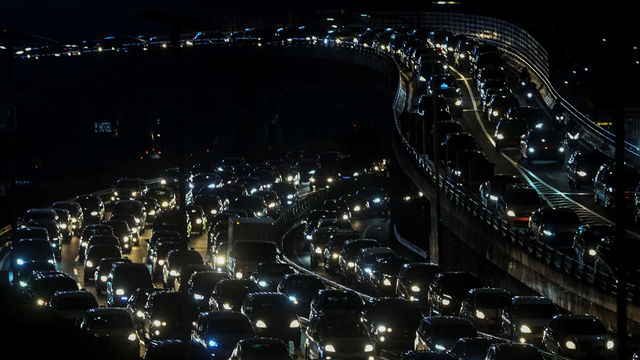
x=341, y=302
x=76, y=303
x=561, y=217
x=276, y=270
x=111, y=321
x=454, y=330
x=524, y=198
x=343, y=329
x=537, y=311
x=230, y=326
x=264, y=351
x=487, y=301
x=584, y=327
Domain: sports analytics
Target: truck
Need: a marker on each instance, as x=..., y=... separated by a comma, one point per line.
x=251, y=242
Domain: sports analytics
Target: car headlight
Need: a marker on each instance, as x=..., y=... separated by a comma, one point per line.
x=160, y=262
x=238, y=275
x=495, y=113
x=610, y=344
x=20, y=262
x=458, y=102
x=165, y=204
x=261, y=324
x=561, y=149
x=499, y=136
x=198, y=221
x=198, y=297
x=356, y=208
x=531, y=149
x=293, y=299
x=480, y=315
x=94, y=213
x=525, y=329
x=440, y=347
x=63, y=226
x=330, y=348
x=415, y=288
x=368, y=348
x=262, y=283
x=386, y=282
x=581, y=173
x=294, y=324
x=570, y=345
x=212, y=343
x=511, y=213
x=89, y=264
x=446, y=302
x=547, y=232
x=228, y=307
x=592, y=252
x=103, y=278
x=174, y=273
x=220, y=260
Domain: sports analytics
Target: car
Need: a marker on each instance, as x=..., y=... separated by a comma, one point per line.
x=229, y=294
x=53, y=231
x=64, y=220
x=220, y=331
x=483, y=308
x=446, y=86
x=201, y=285
x=136, y=303
x=75, y=210
x=470, y=168
x=273, y=316
x=95, y=253
x=173, y=263
x=123, y=280
x=358, y=204
x=151, y=207
x=198, y=218
x=161, y=321
x=88, y=231
x=377, y=197
x=455, y=142
x=578, y=337
x=128, y=188
x=586, y=240
x=102, y=240
x=43, y=285
x=473, y=348
x=525, y=317
x=268, y=275
x=173, y=348
x=165, y=196
x=555, y=226
x=123, y=232
x=254, y=203
x=347, y=257
x=41, y=214
x=491, y=190
x=330, y=336
x=159, y=257
x=32, y=250
x=286, y=192
x=447, y=290
x=582, y=167
x=135, y=208
x=72, y=305
x=133, y=226
x=188, y=272
x=92, y=208
x=391, y=322
x=498, y=107
x=513, y=351
x=509, y=132
x=261, y=348
x=384, y=275
x=272, y=200
x=115, y=326
x=102, y=272
x=440, y=333
x=335, y=301
x=608, y=260
x=300, y=289
x=363, y=264
x=534, y=117
x=542, y=145
x=604, y=185
x=413, y=282
x=517, y=203
x=170, y=219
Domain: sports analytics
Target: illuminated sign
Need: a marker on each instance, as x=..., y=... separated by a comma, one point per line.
x=103, y=127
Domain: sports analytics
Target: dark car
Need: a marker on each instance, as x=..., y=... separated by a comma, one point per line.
x=160, y=318
x=604, y=185
x=608, y=259
x=300, y=289
x=358, y=204
x=173, y=264
x=73, y=305
x=473, y=348
x=364, y=262
x=220, y=331
x=483, y=307
x=509, y=132
x=542, y=145
x=440, y=333
x=579, y=337
x=448, y=289
x=517, y=204
x=586, y=240
x=331, y=336
x=128, y=188
x=498, y=107
x=229, y=294
x=491, y=190
x=583, y=165
x=165, y=196
x=268, y=275
x=273, y=315
x=391, y=322
x=413, y=282
x=44, y=285
x=160, y=252
x=96, y=253
x=255, y=204
x=555, y=227
x=92, y=208
x=64, y=221
x=377, y=197
x=307, y=168
x=525, y=317
x=470, y=168
x=135, y=208
x=201, y=285
x=102, y=272
x=455, y=142
x=90, y=230
x=115, y=327
x=75, y=210
x=335, y=301
x=384, y=275
x=532, y=116
x=347, y=257
x=53, y=231
x=123, y=232
x=123, y=280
